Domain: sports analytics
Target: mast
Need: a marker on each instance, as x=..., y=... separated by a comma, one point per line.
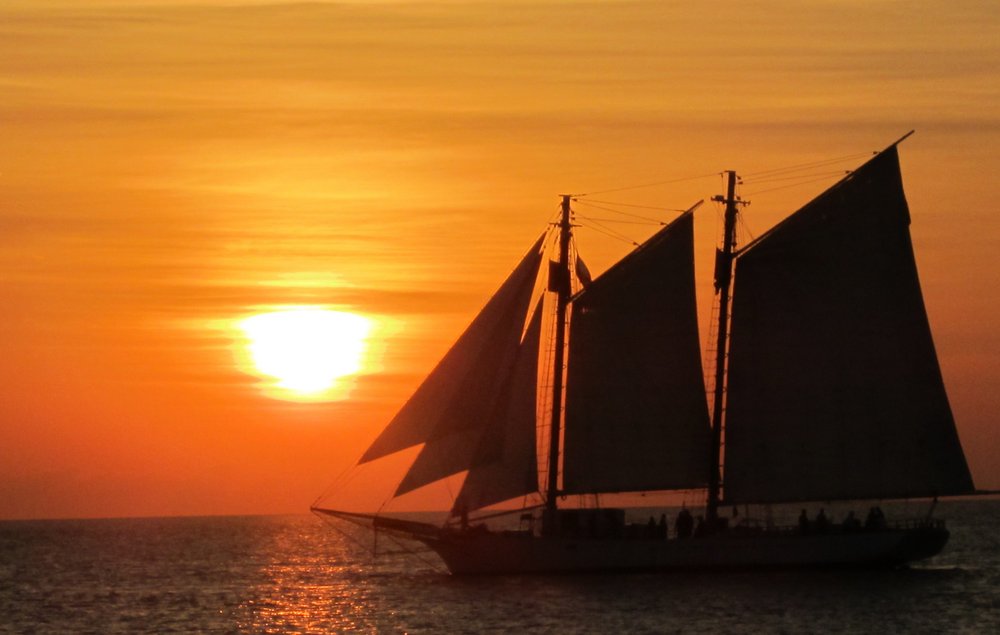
x=723, y=280
x=561, y=285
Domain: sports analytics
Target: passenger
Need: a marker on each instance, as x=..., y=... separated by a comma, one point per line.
x=700, y=529
x=661, y=527
x=851, y=523
x=875, y=519
x=822, y=522
x=651, y=528
x=684, y=524
x=803, y=523
x=879, y=518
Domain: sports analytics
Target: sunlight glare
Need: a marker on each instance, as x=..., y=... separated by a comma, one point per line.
x=306, y=350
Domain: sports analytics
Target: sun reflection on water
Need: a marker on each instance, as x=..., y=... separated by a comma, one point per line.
x=328, y=590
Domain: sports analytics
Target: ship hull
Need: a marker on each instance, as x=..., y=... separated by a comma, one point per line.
x=516, y=553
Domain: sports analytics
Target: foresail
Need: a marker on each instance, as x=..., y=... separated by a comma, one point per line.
x=460, y=392
x=506, y=465
x=834, y=390
x=636, y=412
x=510, y=420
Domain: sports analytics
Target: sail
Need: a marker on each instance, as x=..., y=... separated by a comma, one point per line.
x=512, y=413
x=460, y=392
x=506, y=465
x=834, y=389
x=636, y=413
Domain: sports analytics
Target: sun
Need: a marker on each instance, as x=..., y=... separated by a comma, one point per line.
x=306, y=352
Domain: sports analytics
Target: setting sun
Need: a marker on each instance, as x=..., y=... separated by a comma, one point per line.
x=306, y=350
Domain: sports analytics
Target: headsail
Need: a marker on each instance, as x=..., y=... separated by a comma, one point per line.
x=834, y=388
x=506, y=461
x=636, y=414
x=461, y=391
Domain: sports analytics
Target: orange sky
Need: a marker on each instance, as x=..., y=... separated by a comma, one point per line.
x=168, y=167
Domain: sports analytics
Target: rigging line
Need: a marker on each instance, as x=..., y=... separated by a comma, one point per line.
x=772, y=179
x=652, y=207
x=554, y=217
x=623, y=222
x=332, y=522
x=805, y=166
x=746, y=229
x=607, y=231
x=616, y=211
x=636, y=187
x=343, y=479
x=630, y=215
x=784, y=187
x=419, y=555
x=542, y=431
x=647, y=219
x=506, y=512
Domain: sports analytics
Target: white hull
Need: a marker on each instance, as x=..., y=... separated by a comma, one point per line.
x=513, y=552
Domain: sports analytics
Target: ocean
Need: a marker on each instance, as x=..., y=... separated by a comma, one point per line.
x=294, y=574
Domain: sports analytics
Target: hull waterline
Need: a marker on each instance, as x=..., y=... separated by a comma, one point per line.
x=516, y=553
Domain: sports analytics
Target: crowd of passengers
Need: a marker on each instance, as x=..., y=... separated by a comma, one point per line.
x=686, y=526
x=874, y=521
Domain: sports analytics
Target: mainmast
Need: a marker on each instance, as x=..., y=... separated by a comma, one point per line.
x=559, y=281
x=723, y=280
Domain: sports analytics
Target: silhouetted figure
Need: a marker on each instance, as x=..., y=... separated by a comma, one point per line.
x=851, y=523
x=684, y=524
x=822, y=522
x=651, y=528
x=661, y=527
x=701, y=529
x=875, y=519
x=803, y=523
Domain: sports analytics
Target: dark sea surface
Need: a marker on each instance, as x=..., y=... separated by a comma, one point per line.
x=279, y=574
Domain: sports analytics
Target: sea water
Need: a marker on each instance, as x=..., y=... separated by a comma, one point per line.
x=297, y=574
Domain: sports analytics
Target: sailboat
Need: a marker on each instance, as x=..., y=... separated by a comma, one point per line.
x=826, y=388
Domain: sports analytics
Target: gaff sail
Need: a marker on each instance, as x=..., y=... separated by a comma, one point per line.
x=834, y=389
x=636, y=413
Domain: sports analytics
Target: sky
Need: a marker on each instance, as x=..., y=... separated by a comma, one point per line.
x=169, y=168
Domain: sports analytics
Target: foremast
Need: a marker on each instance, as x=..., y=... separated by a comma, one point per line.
x=723, y=284
x=560, y=283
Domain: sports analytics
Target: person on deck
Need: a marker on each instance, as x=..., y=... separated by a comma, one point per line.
x=684, y=524
x=822, y=522
x=851, y=523
x=875, y=519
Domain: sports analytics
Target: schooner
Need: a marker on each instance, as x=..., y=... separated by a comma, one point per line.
x=826, y=388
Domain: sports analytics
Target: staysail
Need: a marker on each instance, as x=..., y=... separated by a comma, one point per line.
x=636, y=413
x=461, y=391
x=834, y=390
x=506, y=464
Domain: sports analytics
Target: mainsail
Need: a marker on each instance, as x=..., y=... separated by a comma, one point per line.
x=636, y=414
x=460, y=393
x=834, y=389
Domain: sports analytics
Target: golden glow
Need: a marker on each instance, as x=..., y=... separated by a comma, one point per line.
x=306, y=352
x=396, y=158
